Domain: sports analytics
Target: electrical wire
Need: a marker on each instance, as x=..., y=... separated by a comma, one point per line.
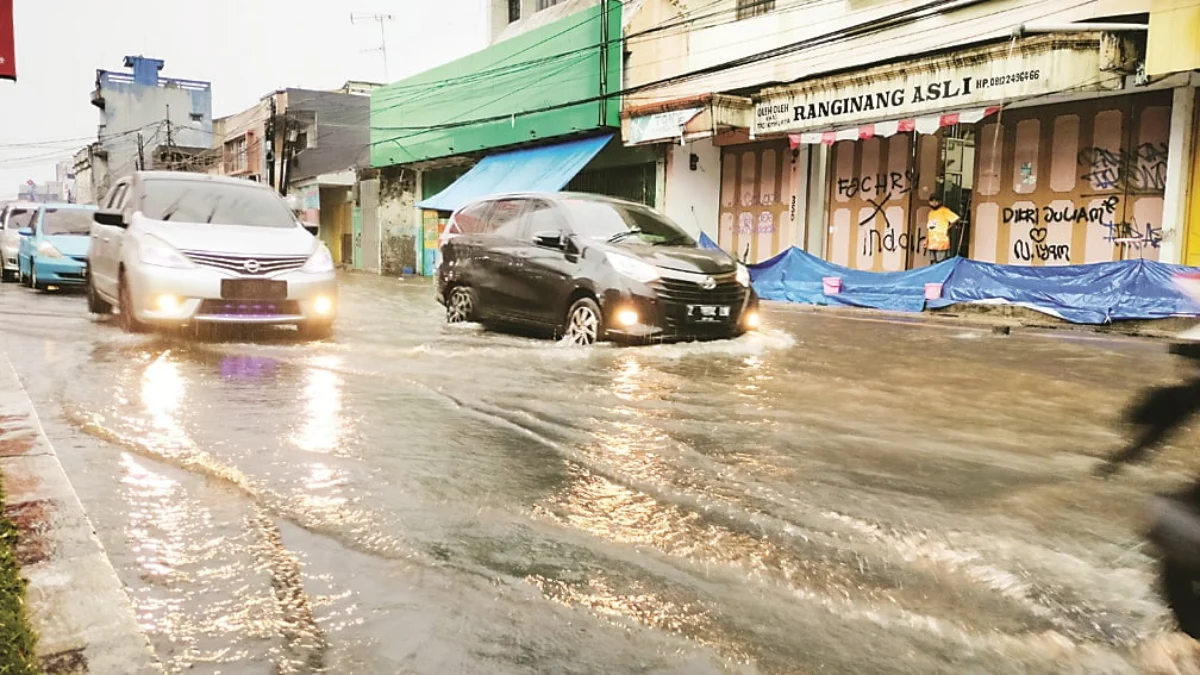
x=926, y=11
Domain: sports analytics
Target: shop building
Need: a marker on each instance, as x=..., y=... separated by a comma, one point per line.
x=1040, y=126
x=1050, y=147
x=536, y=110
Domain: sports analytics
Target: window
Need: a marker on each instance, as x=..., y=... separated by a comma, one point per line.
x=514, y=10
x=470, y=220
x=196, y=117
x=751, y=8
x=66, y=221
x=226, y=203
x=116, y=198
x=235, y=156
x=628, y=223
x=543, y=4
x=503, y=219
x=543, y=217
x=19, y=219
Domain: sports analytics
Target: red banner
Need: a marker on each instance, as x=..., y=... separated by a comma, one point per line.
x=8, y=49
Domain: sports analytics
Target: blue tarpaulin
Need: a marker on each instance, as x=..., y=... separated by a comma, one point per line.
x=544, y=169
x=707, y=243
x=1092, y=294
x=796, y=276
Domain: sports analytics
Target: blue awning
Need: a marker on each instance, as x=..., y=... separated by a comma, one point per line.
x=543, y=169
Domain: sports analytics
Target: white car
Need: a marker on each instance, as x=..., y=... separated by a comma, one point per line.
x=13, y=217
x=171, y=249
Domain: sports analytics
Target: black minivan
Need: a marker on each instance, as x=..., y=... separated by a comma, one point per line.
x=589, y=268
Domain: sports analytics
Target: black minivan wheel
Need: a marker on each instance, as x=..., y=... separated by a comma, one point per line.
x=460, y=305
x=584, y=322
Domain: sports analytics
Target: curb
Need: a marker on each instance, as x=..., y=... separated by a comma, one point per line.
x=961, y=316
x=84, y=619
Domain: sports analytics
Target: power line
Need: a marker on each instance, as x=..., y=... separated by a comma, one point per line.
x=898, y=19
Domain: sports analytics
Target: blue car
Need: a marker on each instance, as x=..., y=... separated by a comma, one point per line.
x=53, y=250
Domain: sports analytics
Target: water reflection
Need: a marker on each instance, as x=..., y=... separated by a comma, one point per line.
x=322, y=396
x=163, y=391
x=322, y=491
x=238, y=367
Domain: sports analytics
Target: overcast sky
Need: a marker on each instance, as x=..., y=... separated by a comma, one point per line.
x=246, y=48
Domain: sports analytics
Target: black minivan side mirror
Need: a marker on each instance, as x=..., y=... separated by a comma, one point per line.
x=109, y=217
x=550, y=239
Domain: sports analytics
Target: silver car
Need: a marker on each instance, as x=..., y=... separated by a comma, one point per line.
x=13, y=217
x=172, y=249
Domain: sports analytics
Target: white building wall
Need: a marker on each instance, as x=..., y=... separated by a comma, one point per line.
x=128, y=111
x=716, y=38
x=693, y=198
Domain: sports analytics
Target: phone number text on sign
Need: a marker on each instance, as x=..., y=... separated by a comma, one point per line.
x=1001, y=80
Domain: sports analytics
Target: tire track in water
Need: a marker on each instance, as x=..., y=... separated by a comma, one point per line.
x=362, y=539
x=305, y=645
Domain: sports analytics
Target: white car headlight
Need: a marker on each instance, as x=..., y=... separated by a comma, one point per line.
x=633, y=268
x=743, y=275
x=47, y=250
x=155, y=251
x=320, y=262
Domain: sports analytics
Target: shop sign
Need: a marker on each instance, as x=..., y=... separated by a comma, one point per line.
x=8, y=52
x=931, y=86
x=660, y=126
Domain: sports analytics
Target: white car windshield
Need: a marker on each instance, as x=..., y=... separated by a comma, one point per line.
x=196, y=201
x=66, y=221
x=19, y=218
x=626, y=223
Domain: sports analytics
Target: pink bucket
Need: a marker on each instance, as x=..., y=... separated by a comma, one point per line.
x=933, y=291
x=832, y=285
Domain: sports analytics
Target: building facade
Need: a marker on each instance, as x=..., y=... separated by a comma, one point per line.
x=309, y=144
x=146, y=121
x=548, y=87
x=829, y=126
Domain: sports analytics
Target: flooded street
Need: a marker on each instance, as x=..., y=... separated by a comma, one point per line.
x=831, y=495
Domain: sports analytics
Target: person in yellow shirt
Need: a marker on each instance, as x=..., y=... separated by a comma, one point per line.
x=940, y=220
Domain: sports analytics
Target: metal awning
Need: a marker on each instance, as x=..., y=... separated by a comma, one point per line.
x=685, y=119
x=543, y=169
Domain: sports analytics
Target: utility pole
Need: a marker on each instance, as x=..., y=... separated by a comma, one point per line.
x=170, y=141
x=381, y=19
x=285, y=159
x=141, y=153
x=603, y=62
x=271, y=144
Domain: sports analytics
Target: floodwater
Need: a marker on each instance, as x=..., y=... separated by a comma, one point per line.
x=831, y=495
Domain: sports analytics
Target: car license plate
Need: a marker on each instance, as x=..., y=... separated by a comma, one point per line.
x=253, y=289
x=708, y=313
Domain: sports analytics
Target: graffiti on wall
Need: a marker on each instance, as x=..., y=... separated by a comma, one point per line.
x=747, y=225
x=1034, y=246
x=1134, y=235
x=878, y=191
x=1141, y=170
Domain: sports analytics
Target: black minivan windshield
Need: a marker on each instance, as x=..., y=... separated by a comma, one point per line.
x=66, y=221
x=625, y=223
x=197, y=201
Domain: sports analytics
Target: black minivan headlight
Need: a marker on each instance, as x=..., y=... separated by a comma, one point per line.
x=743, y=275
x=635, y=269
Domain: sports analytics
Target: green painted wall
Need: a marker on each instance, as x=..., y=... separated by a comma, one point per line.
x=550, y=66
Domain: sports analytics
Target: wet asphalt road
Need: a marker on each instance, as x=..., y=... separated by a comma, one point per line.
x=831, y=495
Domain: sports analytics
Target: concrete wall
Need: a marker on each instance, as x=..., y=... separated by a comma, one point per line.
x=400, y=230
x=140, y=102
x=341, y=139
x=716, y=39
x=693, y=198
x=249, y=123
